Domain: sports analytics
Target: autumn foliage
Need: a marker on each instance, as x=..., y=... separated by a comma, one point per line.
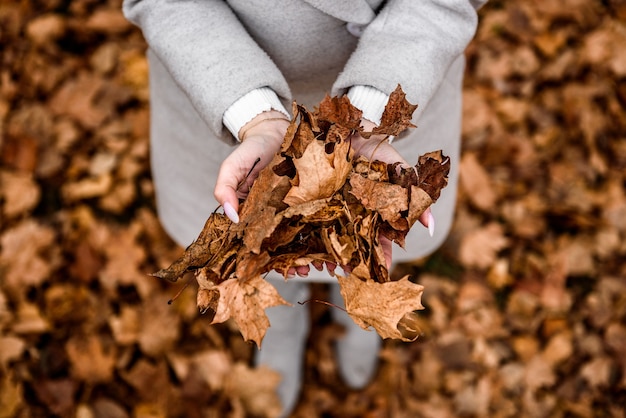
x=525, y=302
x=317, y=202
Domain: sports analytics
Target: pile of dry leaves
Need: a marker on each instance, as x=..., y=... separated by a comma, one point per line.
x=525, y=304
x=317, y=202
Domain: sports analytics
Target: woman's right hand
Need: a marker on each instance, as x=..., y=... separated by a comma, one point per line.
x=261, y=138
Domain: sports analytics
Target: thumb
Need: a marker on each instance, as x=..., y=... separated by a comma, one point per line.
x=225, y=193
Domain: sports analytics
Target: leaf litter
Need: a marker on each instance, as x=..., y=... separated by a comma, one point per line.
x=531, y=326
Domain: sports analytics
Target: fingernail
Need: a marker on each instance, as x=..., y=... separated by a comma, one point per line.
x=431, y=224
x=230, y=211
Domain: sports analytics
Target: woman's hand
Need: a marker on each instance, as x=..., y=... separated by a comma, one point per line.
x=377, y=147
x=261, y=138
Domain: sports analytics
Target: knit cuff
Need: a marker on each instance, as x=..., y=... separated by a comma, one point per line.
x=250, y=105
x=369, y=100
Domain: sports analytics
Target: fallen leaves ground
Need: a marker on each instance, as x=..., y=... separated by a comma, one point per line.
x=525, y=302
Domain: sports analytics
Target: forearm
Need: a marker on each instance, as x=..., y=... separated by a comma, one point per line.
x=411, y=43
x=207, y=51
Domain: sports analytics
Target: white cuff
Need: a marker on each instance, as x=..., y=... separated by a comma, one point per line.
x=250, y=105
x=369, y=100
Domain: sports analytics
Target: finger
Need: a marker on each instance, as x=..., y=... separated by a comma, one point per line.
x=428, y=220
x=319, y=266
x=225, y=191
x=377, y=148
x=303, y=271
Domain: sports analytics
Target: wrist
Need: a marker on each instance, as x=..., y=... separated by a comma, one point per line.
x=269, y=123
x=249, y=106
x=369, y=100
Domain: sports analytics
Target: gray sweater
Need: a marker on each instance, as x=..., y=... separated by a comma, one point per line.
x=205, y=55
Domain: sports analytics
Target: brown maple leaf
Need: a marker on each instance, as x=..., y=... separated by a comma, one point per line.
x=199, y=253
x=320, y=174
x=396, y=117
x=246, y=302
x=432, y=173
x=343, y=117
x=389, y=200
x=381, y=305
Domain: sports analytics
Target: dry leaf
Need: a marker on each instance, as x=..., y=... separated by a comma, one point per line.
x=255, y=389
x=245, y=302
x=20, y=193
x=480, y=248
x=381, y=305
x=11, y=348
x=160, y=326
x=91, y=361
x=57, y=395
x=543, y=118
x=27, y=255
x=319, y=174
x=213, y=367
x=476, y=182
x=11, y=399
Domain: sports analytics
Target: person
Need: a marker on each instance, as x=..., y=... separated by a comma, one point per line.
x=224, y=73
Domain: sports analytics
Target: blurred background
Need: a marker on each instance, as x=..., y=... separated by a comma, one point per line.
x=525, y=302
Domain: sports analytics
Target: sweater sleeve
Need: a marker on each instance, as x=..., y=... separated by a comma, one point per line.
x=412, y=43
x=201, y=43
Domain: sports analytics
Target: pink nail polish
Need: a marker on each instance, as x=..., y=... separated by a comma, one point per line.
x=230, y=211
x=431, y=224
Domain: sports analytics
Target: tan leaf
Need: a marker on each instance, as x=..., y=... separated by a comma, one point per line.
x=20, y=193
x=381, y=305
x=259, y=228
x=125, y=327
x=76, y=98
x=11, y=348
x=255, y=389
x=29, y=320
x=476, y=182
x=213, y=367
x=340, y=246
x=26, y=254
x=480, y=247
x=11, y=395
x=160, y=326
x=91, y=361
x=387, y=199
x=320, y=174
x=124, y=258
x=245, y=302
x=46, y=28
